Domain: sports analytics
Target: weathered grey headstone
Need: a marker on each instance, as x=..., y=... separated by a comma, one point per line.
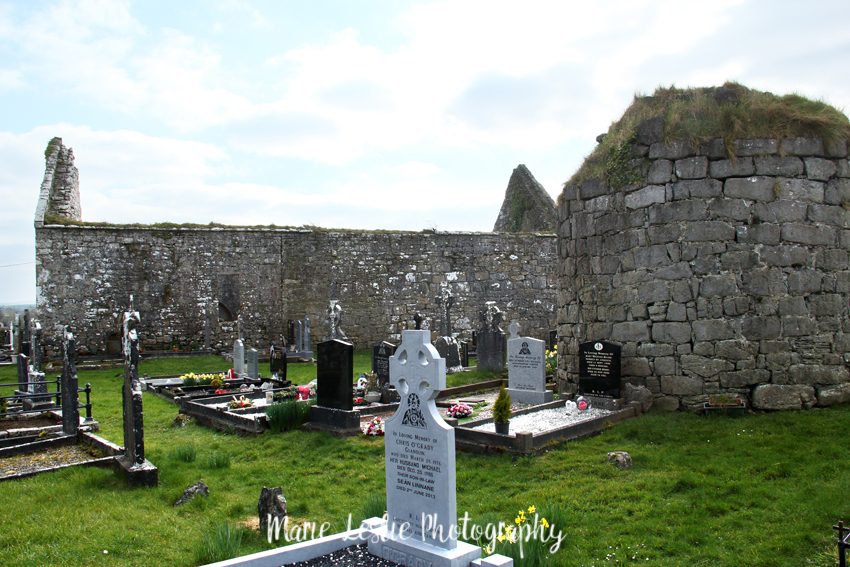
x=35, y=346
x=70, y=395
x=139, y=470
x=239, y=358
x=446, y=300
x=306, y=344
x=299, y=336
x=421, y=528
x=448, y=349
x=526, y=369
x=271, y=508
x=253, y=364
x=207, y=327
x=491, y=340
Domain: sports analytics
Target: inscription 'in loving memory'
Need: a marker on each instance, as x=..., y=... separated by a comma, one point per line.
x=415, y=473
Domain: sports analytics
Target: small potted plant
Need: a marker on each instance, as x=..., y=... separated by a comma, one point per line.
x=502, y=411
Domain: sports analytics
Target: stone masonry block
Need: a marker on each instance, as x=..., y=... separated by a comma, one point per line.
x=676, y=333
x=819, y=169
x=802, y=147
x=681, y=385
x=783, y=397
x=776, y=165
x=753, y=188
x=741, y=167
x=660, y=172
x=692, y=168
x=649, y=195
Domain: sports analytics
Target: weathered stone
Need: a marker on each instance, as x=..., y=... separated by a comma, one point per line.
x=757, y=147
x=831, y=395
x=758, y=234
x=697, y=189
x=704, y=366
x=681, y=385
x=650, y=131
x=780, y=211
x=800, y=190
x=795, y=326
x=676, y=333
x=836, y=148
x=710, y=230
x=812, y=374
x=734, y=209
x=718, y=286
x=776, y=165
x=665, y=365
x=785, y=256
x=753, y=188
x=620, y=459
x=665, y=404
x=783, y=397
x=527, y=207
x=809, y=234
x=735, y=349
x=756, y=328
x=741, y=167
x=804, y=281
x=678, y=211
x=802, y=147
x=837, y=192
x=676, y=149
x=660, y=172
x=819, y=169
x=649, y=195
x=630, y=331
x=692, y=168
x=744, y=378
x=712, y=330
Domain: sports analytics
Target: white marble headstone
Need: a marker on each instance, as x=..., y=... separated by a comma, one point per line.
x=527, y=371
x=421, y=524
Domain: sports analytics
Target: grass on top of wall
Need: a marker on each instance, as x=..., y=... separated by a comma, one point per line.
x=731, y=112
x=759, y=490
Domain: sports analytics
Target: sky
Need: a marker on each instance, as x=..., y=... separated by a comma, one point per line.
x=371, y=114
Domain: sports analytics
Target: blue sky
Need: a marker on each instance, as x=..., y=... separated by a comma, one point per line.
x=370, y=114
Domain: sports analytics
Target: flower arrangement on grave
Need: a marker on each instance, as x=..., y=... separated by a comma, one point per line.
x=221, y=391
x=240, y=402
x=502, y=411
x=285, y=394
x=552, y=360
x=360, y=401
x=375, y=427
x=305, y=393
x=459, y=411
x=193, y=379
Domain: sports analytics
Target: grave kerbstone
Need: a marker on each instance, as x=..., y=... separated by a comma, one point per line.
x=421, y=528
x=527, y=369
x=599, y=369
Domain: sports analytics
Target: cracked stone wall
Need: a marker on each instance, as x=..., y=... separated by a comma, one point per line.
x=85, y=275
x=714, y=274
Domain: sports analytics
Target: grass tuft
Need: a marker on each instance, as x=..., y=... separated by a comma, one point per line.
x=218, y=460
x=223, y=544
x=185, y=452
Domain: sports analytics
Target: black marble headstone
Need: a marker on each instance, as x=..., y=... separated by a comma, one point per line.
x=381, y=354
x=334, y=375
x=599, y=368
x=491, y=350
x=277, y=363
x=23, y=372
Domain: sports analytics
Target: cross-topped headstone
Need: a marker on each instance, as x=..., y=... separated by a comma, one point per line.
x=445, y=300
x=134, y=440
x=335, y=331
x=420, y=464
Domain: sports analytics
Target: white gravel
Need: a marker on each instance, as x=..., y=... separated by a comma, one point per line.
x=547, y=420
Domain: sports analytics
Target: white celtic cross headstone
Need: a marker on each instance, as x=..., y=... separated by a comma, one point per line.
x=420, y=464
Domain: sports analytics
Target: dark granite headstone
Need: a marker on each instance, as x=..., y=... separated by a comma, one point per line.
x=446, y=300
x=23, y=372
x=134, y=433
x=448, y=348
x=290, y=334
x=599, y=368
x=491, y=340
x=277, y=363
x=381, y=354
x=70, y=395
x=334, y=375
x=464, y=354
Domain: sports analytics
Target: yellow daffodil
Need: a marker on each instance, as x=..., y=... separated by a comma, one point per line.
x=544, y=523
x=488, y=550
x=532, y=509
x=501, y=538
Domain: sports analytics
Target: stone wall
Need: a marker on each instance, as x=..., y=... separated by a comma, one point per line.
x=59, y=195
x=714, y=274
x=85, y=275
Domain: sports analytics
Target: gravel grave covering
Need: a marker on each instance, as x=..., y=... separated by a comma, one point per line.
x=547, y=420
x=354, y=556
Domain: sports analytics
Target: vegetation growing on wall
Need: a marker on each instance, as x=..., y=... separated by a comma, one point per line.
x=731, y=112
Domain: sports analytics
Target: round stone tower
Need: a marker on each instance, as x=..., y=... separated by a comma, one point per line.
x=708, y=235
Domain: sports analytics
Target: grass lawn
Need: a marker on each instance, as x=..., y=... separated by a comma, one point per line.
x=759, y=490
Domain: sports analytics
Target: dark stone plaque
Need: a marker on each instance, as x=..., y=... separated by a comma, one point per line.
x=599, y=369
x=381, y=354
x=334, y=375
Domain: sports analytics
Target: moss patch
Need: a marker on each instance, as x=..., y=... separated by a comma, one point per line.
x=731, y=112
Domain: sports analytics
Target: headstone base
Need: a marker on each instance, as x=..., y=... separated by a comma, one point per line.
x=145, y=474
x=414, y=552
x=530, y=396
x=335, y=421
x=610, y=404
